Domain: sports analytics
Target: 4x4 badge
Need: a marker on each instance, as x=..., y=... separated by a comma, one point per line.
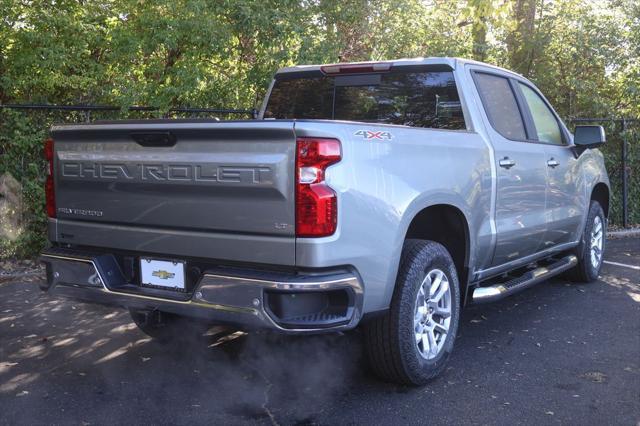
x=370, y=134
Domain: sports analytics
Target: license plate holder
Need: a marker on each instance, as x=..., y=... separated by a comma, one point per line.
x=165, y=274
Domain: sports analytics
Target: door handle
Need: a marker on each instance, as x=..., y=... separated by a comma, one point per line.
x=552, y=163
x=506, y=163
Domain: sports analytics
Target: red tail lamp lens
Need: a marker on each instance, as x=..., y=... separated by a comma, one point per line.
x=316, y=202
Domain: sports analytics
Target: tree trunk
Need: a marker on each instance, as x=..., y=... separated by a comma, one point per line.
x=521, y=41
x=479, y=35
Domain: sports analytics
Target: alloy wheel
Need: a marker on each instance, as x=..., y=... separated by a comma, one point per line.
x=432, y=314
x=597, y=234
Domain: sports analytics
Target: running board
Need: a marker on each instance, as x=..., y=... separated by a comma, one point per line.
x=530, y=278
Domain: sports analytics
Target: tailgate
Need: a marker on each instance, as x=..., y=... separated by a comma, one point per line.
x=229, y=183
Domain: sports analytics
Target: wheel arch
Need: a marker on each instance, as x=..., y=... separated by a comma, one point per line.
x=448, y=225
x=601, y=194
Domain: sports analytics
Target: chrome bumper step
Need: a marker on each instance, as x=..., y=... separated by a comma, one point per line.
x=498, y=291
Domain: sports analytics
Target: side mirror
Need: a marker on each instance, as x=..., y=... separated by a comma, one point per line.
x=589, y=136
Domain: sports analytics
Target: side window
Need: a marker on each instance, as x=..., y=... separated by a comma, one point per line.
x=547, y=126
x=501, y=106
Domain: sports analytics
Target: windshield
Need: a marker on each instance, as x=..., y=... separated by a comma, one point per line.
x=418, y=99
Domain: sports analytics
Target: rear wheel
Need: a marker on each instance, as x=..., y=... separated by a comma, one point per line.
x=590, y=251
x=412, y=342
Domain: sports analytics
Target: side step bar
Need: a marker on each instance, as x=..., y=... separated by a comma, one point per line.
x=530, y=278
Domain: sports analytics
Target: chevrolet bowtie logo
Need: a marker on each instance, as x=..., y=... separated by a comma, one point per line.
x=163, y=275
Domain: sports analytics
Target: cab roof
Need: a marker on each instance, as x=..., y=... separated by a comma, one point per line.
x=447, y=61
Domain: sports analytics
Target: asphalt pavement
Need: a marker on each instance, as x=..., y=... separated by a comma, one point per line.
x=558, y=353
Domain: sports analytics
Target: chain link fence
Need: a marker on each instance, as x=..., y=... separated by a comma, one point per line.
x=22, y=168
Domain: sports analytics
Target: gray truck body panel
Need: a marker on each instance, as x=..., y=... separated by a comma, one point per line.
x=225, y=191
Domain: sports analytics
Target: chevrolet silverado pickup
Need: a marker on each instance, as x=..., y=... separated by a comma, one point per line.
x=381, y=195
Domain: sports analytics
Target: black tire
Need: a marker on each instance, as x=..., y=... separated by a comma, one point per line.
x=390, y=340
x=585, y=271
x=163, y=327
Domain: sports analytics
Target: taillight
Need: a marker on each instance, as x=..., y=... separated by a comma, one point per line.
x=50, y=195
x=316, y=202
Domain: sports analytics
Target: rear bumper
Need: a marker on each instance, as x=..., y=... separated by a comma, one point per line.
x=312, y=302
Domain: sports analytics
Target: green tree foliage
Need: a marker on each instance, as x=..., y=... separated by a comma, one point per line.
x=222, y=53
x=584, y=54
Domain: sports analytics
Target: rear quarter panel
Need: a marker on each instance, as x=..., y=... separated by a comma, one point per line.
x=382, y=184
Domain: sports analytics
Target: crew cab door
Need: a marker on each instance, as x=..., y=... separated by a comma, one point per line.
x=565, y=199
x=521, y=170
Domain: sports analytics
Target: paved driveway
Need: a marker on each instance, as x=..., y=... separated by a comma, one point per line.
x=557, y=353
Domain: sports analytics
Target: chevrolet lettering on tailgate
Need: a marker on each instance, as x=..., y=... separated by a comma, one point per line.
x=195, y=173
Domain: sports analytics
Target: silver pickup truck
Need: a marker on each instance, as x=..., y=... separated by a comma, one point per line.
x=384, y=195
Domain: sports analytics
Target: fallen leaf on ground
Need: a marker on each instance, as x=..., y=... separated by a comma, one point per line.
x=595, y=376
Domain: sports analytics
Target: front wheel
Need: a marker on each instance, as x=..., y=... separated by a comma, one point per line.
x=590, y=251
x=412, y=342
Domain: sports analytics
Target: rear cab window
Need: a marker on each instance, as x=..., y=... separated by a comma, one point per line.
x=427, y=99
